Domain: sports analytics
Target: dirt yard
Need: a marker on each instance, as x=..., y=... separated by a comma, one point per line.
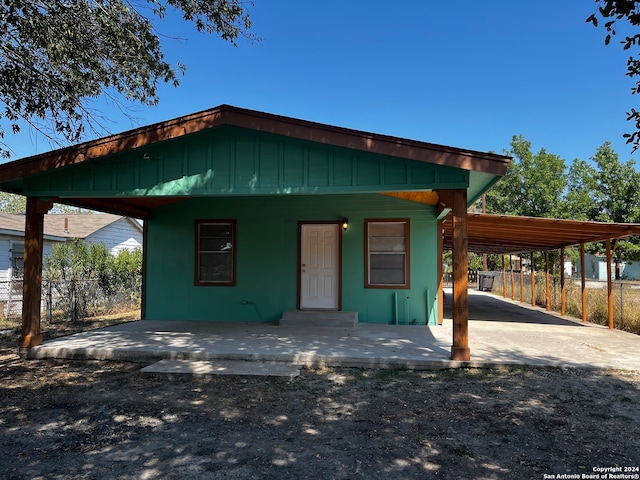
x=73, y=420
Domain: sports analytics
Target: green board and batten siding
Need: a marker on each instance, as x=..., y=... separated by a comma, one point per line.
x=234, y=161
x=267, y=253
x=267, y=183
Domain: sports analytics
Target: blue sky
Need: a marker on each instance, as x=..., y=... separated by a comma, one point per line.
x=469, y=74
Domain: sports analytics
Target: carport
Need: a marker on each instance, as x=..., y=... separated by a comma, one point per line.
x=508, y=235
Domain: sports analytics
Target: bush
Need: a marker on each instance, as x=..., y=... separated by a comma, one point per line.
x=88, y=280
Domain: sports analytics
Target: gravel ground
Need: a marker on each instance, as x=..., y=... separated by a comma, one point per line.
x=72, y=420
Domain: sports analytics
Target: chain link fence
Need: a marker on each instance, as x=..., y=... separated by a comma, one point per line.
x=626, y=297
x=69, y=300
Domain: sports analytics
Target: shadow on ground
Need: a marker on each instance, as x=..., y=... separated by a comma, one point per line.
x=62, y=419
x=487, y=307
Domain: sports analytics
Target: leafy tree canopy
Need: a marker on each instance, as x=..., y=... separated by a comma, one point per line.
x=17, y=204
x=57, y=55
x=533, y=184
x=626, y=11
x=540, y=185
x=10, y=203
x=616, y=198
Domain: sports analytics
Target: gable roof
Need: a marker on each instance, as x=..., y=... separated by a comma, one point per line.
x=262, y=122
x=65, y=225
x=480, y=170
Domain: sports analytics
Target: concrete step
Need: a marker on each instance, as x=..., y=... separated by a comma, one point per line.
x=319, y=318
x=208, y=368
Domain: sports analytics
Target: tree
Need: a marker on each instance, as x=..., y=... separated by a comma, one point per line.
x=581, y=187
x=17, y=204
x=617, y=194
x=612, y=12
x=10, y=203
x=533, y=185
x=617, y=198
x=58, y=55
x=88, y=279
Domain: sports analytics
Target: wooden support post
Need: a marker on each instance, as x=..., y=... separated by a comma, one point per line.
x=583, y=280
x=513, y=290
x=547, y=280
x=609, y=284
x=521, y=279
x=533, y=281
x=563, y=288
x=32, y=283
x=440, y=276
x=504, y=278
x=485, y=264
x=460, y=348
x=143, y=295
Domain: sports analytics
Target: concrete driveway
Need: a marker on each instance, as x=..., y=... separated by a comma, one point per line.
x=501, y=332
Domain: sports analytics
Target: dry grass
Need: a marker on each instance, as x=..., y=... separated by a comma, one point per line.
x=14, y=322
x=626, y=299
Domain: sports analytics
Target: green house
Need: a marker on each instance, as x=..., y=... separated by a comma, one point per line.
x=249, y=215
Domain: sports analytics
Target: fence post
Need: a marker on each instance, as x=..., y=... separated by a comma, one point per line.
x=49, y=303
x=10, y=295
x=73, y=301
x=621, y=305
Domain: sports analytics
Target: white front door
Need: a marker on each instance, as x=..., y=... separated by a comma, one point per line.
x=319, y=266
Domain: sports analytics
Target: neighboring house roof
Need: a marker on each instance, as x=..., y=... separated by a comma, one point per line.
x=80, y=225
x=10, y=223
x=65, y=225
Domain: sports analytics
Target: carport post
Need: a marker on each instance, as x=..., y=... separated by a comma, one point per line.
x=32, y=283
x=533, y=281
x=440, y=279
x=513, y=290
x=521, y=279
x=609, y=284
x=563, y=289
x=504, y=278
x=547, y=281
x=583, y=279
x=460, y=348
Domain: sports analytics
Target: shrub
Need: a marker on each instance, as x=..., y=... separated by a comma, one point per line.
x=88, y=280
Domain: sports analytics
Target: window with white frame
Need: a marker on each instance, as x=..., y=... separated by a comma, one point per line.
x=215, y=252
x=17, y=259
x=387, y=253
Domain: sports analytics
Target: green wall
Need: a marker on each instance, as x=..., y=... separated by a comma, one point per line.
x=267, y=252
x=231, y=161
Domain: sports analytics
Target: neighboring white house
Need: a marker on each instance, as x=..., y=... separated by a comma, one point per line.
x=631, y=271
x=595, y=267
x=116, y=232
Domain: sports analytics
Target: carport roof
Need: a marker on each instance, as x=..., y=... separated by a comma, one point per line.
x=501, y=234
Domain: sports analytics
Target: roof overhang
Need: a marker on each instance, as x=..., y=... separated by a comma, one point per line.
x=484, y=168
x=263, y=122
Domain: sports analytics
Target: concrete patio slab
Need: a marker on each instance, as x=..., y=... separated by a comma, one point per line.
x=501, y=332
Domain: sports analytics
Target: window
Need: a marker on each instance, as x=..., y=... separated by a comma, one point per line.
x=17, y=259
x=387, y=253
x=215, y=252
